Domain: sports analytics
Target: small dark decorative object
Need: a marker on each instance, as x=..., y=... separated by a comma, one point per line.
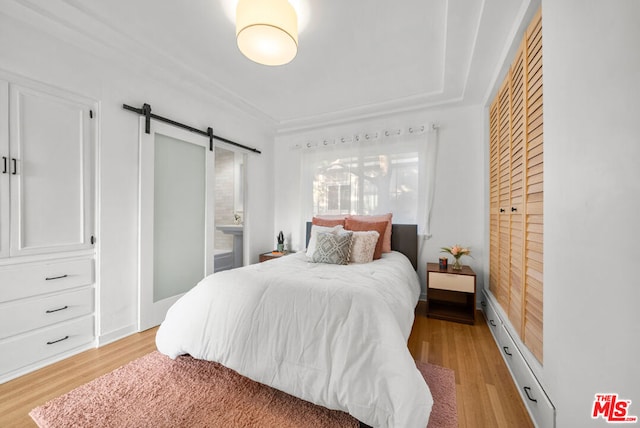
x=443, y=263
x=280, y=242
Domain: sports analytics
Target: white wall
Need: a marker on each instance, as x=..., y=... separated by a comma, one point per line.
x=113, y=81
x=592, y=204
x=457, y=215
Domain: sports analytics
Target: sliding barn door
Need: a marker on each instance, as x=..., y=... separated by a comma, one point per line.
x=176, y=218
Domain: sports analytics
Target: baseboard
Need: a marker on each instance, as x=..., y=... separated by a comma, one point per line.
x=121, y=333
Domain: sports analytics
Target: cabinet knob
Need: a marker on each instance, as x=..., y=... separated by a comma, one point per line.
x=513, y=209
x=501, y=210
x=526, y=391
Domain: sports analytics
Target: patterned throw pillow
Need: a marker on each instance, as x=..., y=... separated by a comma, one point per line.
x=332, y=248
x=363, y=245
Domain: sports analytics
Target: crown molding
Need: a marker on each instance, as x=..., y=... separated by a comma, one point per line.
x=61, y=18
x=76, y=23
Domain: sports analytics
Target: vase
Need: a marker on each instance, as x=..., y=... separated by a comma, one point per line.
x=456, y=264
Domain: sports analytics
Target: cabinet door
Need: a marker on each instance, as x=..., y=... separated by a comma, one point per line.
x=494, y=198
x=534, y=193
x=516, y=182
x=51, y=187
x=4, y=169
x=504, y=227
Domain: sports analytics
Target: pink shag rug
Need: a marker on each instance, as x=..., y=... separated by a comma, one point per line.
x=156, y=391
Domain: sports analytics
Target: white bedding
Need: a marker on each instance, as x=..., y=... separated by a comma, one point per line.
x=329, y=334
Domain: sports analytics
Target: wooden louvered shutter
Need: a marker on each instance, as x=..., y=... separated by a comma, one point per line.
x=532, y=334
x=516, y=192
x=516, y=195
x=494, y=196
x=504, y=136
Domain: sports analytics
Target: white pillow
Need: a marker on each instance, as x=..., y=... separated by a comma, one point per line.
x=363, y=245
x=315, y=229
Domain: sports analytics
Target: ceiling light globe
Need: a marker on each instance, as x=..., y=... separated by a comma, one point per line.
x=267, y=31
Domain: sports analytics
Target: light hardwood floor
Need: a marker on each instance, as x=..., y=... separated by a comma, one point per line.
x=486, y=394
x=487, y=397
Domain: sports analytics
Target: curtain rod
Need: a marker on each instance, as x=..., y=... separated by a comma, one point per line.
x=146, y=112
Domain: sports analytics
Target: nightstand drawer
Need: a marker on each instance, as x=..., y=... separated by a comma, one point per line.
x=452, y=282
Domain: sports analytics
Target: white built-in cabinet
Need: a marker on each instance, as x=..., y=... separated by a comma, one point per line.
x=513, y=303
x=47, y=220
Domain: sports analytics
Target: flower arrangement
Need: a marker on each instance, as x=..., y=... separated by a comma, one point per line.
x=457, y=251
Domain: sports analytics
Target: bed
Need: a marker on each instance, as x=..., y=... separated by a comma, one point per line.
x=330, y=334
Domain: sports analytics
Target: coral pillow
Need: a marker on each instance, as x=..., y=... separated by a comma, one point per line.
x=386, y=237
x=363, y=226
x=328, y=221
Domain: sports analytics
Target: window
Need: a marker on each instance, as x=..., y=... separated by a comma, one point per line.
x=367, y=185
x=368, y=178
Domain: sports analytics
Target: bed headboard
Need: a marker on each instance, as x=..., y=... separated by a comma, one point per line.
x=404, y=239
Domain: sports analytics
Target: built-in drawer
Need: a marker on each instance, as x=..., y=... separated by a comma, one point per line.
x=20, y=316
x=25, y=349
x=494, y=322
x=452, y=282
x=535, y=399
x=30, y=279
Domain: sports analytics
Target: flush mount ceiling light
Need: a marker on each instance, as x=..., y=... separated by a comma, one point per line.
x=267, y=31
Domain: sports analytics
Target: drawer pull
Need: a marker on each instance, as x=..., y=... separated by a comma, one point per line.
x=50, y=311
x=492, y=323
x=56, y=341
x=51, y=278
x=506, y=350
x=483, y=304
x=526, y=391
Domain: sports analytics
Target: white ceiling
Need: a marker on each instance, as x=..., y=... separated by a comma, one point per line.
x=356, y=58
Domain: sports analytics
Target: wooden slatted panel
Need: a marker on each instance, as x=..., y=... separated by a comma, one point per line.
x=494, y=196
x=533, y=311
x=516, y=190
x=504, y=137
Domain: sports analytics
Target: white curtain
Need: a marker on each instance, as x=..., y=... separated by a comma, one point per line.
x=431, y=157
x=390, y=174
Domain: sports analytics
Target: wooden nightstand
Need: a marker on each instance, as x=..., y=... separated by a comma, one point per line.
x=272, y=255
x=451, y=294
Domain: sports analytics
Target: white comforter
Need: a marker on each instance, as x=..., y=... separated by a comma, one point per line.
x=332, y=335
